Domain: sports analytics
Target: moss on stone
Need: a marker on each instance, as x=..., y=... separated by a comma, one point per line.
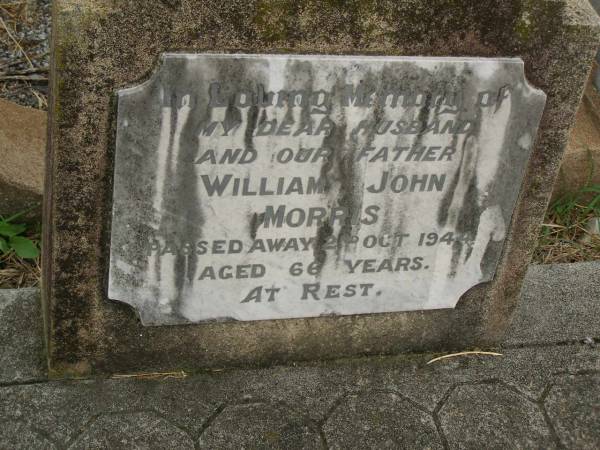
x=274, y=19
x=537, y=18
x=70, y=371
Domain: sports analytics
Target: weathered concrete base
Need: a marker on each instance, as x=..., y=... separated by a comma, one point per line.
x=541, y=396
x=559, y=304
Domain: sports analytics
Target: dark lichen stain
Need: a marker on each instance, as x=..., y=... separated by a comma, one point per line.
x=446, y=203
x=335, y=140
x=250, y=127
x=256, y=220
x=183, y=222
x=423, y=117
x=467, y=223
x=276, y=20
x=324, y=232
x=350, y=194
x=172, y=3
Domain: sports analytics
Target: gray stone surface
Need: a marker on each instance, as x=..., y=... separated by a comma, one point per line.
x=21, y=337
x=559, y=302
x=19, y=435
x=264, y=426
x=380, y=419
x=257, y=187
x=132, y=430
x=495, y=416
x=573, y=405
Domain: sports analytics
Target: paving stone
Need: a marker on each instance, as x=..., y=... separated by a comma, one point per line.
x=380, y=420
x=311, y=391
x=559, y=302
x=528, y=370
x=411, y=377
x=58, y=409
x=493, y=416
x=62, y=408
x=21, y=342
x=21, y=436
x=188, y=403
x=143, y=430
x=258, y=426
x=573, y=405
x=531, y=369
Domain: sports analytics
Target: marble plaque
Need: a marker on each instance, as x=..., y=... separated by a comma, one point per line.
x=253, y=187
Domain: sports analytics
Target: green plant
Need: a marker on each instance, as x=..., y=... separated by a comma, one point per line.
x=564, y=236
x=14, y=238
x=583, y=202
x=586, y=201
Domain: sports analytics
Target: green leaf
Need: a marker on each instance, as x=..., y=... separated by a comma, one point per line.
x=10, y=229
x=4, y=248
x=24, y=248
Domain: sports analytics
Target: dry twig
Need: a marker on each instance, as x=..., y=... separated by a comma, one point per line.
x=12, y=38
x=27, y=71
x=41, y=99
x=452, y=355
x=17, y=273
x=151, y=375
x=36, y=78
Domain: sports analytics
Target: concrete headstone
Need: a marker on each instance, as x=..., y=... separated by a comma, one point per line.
x=422, y=248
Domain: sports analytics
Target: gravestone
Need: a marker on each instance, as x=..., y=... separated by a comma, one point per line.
x=253, y=184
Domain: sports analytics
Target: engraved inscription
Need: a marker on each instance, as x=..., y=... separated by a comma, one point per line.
x=253, y=187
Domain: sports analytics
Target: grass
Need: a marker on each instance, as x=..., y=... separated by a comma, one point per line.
x=19, y=253
x=565, y=237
